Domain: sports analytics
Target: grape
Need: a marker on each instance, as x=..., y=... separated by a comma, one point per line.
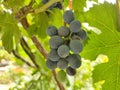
x=82, y=34
x=74, y=36
x=68, y=16
x=76, y=46
x=51, y=31
x=44, y=1
x=62, y=63
x=70, y=71
x=53, y=55
x=55, y=42
x=63, y=31
x=75, y=26
x=63, y=51
x=50, y=64
x=74, y=61
x=59, y=5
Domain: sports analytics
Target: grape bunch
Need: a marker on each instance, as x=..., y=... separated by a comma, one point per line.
x=66, y=44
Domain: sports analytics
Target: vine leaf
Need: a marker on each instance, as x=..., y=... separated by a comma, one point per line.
x=9, y=30
x=104, y=18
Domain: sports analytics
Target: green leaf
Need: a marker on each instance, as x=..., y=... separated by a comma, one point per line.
x=104, y=18
x=61, y=76
x=56, y=18
x=41, y=62
x=66, y=3
x=78, y=7
x=41, y=23
x=9, y=30
x=7, y=41
x=14, y=5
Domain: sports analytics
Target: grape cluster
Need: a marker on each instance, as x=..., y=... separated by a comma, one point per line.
x=66, y=44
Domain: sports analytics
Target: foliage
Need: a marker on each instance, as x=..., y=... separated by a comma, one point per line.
x=100, y=57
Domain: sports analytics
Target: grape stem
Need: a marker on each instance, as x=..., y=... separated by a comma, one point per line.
x=70, y=4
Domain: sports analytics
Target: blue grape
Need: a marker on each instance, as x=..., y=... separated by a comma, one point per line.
x=76, y=46
x=55, y=42
x=68, y=16
x=70, y=71
x=82, y=34
x=51, y=65
x=63, y=51
x=74, y=61
x=63, y=31
x=51, y=31
x=62, y=63
x=53, y=55
x=75, y=26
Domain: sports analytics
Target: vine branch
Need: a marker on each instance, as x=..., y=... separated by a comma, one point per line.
x=46, y=6
x=28, y=9
x=21, y=58
x=28, y=51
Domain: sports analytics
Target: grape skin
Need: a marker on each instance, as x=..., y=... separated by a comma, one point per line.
x=76, y=46
x=74, y=61
x=70, y=71
x=63, y=51
x=50, y=64
x=55, y=42
x=68, y=16
x=53, y=55
x=75, y=26
x=82, y=34
x=62, y=63
x=63, y=31
x=59, y=5
x=51, y=31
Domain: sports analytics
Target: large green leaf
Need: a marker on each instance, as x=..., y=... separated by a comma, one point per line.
x=78, y=7
x=103, y=17
x=9, y=29
x=40, y=25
